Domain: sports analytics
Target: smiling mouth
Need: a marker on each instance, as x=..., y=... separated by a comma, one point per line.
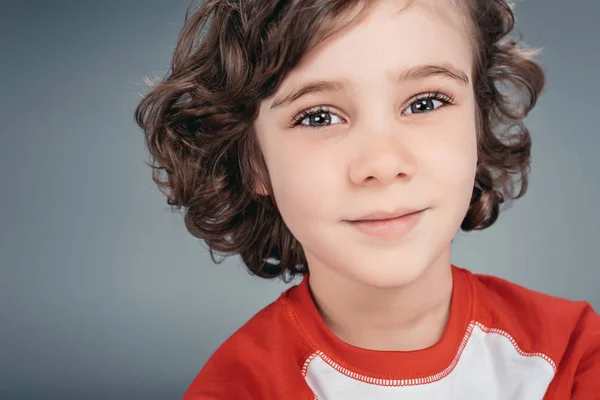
x=379, y=225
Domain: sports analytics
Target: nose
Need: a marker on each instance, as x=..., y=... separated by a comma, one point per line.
x=382, y=159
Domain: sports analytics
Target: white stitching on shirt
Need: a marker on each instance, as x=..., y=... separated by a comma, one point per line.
x=427, y=379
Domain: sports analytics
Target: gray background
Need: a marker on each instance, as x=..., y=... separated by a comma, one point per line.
x=103, y=293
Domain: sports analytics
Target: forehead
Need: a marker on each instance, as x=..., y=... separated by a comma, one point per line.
x=390, y=36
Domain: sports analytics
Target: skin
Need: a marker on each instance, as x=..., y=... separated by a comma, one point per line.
x=375, y=151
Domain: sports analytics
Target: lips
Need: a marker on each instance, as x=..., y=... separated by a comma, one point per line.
x=384, y=215
x=390, y=225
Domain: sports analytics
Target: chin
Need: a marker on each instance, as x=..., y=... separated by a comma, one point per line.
x=399, y=271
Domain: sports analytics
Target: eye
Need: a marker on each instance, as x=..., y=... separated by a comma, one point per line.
x=427, y=103
x=316, y=118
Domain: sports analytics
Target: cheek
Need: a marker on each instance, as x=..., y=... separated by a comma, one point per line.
x=302, y=183
x=452, y=159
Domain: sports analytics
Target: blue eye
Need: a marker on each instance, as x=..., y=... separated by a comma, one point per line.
x=428, y=103
x=425, y=105
x=316, y=118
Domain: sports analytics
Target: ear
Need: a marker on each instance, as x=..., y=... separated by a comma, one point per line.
x=260, y=189
x=260, y=177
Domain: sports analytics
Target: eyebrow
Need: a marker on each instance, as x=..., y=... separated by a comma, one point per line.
x=406, y=75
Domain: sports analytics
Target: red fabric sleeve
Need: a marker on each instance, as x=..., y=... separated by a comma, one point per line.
x=586, y=385
x=222, y=377
x=241, y=371
x=262, y=360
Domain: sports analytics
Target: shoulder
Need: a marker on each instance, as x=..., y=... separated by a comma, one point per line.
x=498, y=298
x=252, y=362
x=527, y=313
x=564, y=332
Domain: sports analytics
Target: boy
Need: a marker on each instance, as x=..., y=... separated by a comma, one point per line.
x=348, y=141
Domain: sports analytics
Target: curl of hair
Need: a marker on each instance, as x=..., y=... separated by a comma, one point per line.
x=198, y=121
x=507, y=84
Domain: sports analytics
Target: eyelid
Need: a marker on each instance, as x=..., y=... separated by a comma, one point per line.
x=434, y=94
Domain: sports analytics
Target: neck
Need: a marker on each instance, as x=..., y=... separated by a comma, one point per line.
x=410, y=317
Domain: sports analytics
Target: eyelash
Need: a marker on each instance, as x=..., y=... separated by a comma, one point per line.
x=435, y=95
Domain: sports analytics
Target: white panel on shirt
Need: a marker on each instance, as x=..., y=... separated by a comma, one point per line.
x=490, y=367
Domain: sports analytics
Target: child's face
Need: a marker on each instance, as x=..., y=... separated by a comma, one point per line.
x=376, y=149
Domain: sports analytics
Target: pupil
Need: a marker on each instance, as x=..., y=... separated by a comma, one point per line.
x=423, y=105
x=320, y=119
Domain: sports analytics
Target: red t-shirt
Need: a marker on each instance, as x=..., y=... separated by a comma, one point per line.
x=502, y=341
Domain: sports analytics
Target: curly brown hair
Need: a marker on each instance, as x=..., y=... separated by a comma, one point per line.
x=198, y=121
